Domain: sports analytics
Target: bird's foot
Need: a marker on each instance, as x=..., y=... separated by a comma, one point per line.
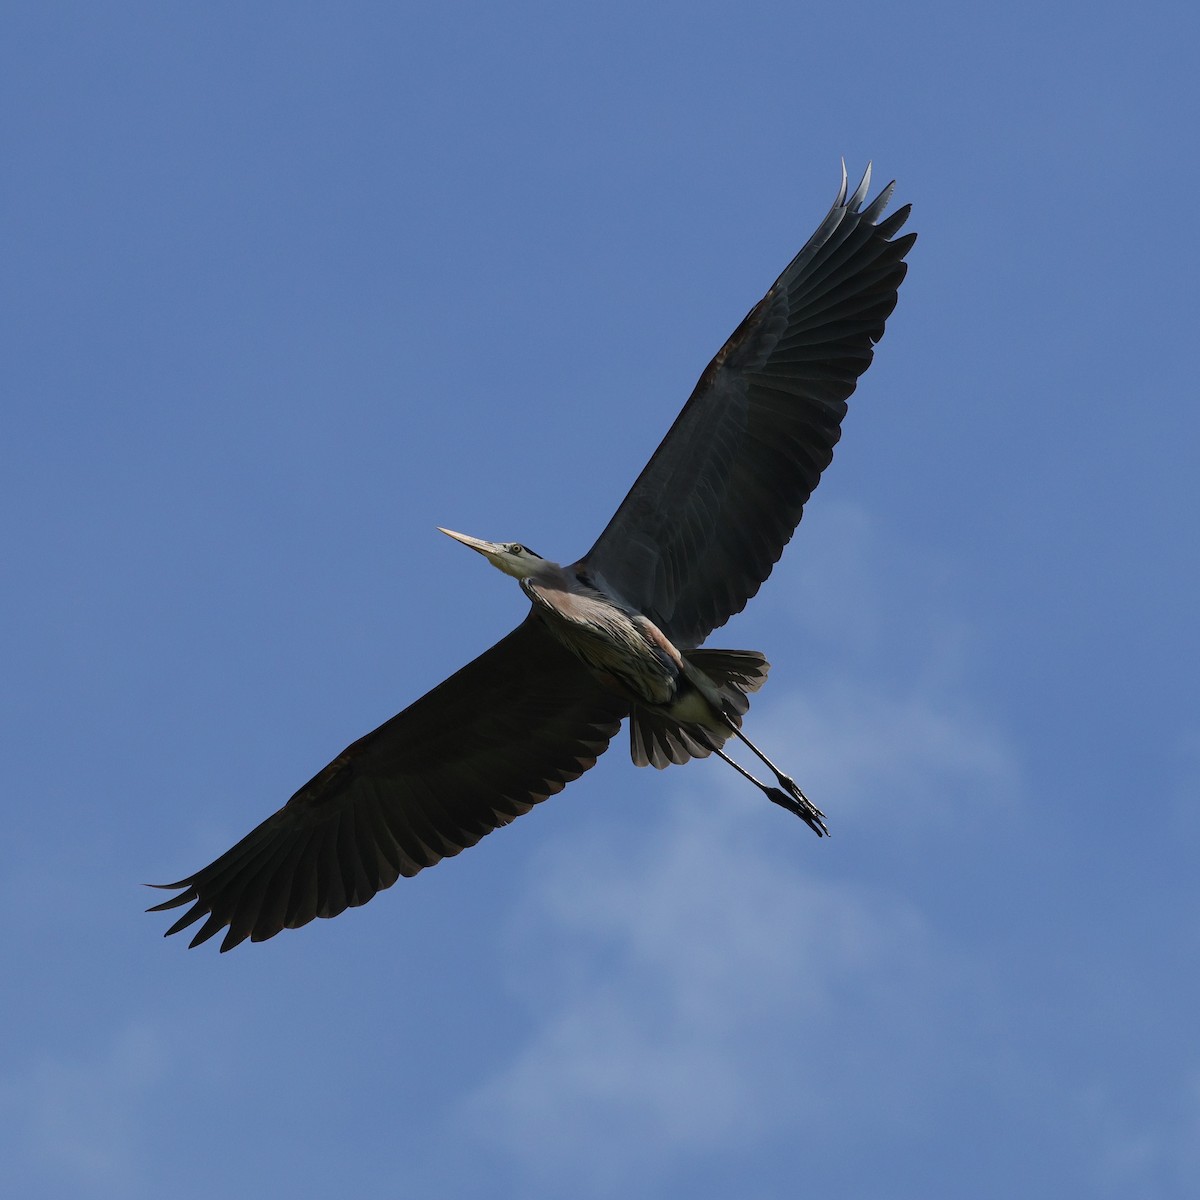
x=795, y=801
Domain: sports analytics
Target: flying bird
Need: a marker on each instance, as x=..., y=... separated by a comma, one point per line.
x=616, y=634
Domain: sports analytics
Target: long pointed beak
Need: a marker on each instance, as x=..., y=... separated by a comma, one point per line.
x=477, y=544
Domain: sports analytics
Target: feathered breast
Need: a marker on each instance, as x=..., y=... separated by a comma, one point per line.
x=626, y=647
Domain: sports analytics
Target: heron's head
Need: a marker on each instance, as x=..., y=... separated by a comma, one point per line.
x=510, y=557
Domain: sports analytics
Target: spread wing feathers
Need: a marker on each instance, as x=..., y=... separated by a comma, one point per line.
x=655, y=740
x=710, y=514
x=508, y=730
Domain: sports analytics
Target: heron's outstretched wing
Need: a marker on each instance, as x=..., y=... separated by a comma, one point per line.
x=509, y=729
x=711, y=513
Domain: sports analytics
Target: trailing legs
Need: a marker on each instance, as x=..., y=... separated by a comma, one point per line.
x=787, y=795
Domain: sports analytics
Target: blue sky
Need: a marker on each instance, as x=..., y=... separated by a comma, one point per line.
x=287, y=286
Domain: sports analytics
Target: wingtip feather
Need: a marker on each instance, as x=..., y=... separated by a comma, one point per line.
x=875, y=209
x=860, y=192
x=174, y=902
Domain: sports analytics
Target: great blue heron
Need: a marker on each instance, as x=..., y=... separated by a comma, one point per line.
x=615, y=634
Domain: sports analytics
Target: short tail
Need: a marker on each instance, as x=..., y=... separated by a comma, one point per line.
x=656, y=740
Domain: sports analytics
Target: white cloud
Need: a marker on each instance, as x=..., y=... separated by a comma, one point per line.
x=909, y=755
x=713, y=983
x=723, y=986
x=698, y=988
x=708, y=982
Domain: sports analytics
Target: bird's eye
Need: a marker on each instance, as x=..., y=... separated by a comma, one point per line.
x=515, y=548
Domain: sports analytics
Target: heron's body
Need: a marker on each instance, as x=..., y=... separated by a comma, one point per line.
x=624, y=648
x=617, y=634
x=626, y=652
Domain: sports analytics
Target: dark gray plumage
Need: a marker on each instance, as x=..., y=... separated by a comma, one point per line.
x=615, y=634
x=713, y=509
